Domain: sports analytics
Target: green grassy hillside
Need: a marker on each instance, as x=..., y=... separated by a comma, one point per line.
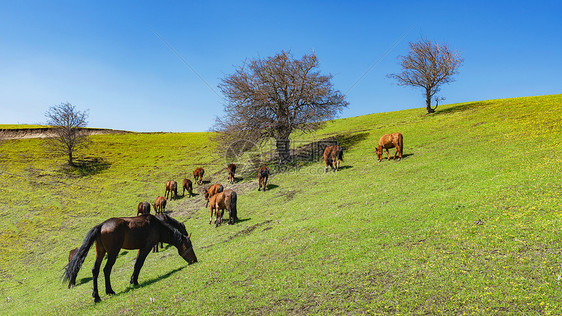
x=468, y=222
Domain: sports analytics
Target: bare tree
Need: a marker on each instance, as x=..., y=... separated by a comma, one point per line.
x=68, y=126
x=274, y=96
x=428, y=65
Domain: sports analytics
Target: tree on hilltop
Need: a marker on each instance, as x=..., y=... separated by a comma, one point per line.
x=68, y=126
x=428, y=65
x=272, y=97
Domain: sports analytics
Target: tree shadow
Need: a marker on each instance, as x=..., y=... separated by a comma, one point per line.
x=87, y=166
x=458, y=108
x=347, y=141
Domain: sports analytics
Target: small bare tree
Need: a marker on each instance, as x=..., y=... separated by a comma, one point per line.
x=68, y=126
x=274, y=96
x=428, y=65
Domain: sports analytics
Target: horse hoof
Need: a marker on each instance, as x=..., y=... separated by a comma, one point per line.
x=97, y=299
x=110, y=292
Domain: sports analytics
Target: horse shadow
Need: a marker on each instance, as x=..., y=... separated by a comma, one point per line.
x=151, y=281
x=345, y=167
x=272, y=186
x=241, y=220
x=83, y=280
x=404, y=156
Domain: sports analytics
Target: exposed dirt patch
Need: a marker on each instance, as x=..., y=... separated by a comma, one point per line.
x=45, y=132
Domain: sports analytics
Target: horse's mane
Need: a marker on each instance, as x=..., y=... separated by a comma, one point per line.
x=177, y=235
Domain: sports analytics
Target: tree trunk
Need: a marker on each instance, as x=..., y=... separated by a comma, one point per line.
x=283, y=150
x=70, y=161
x=428, y=101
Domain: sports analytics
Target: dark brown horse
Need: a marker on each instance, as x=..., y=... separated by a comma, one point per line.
x=212, y=190
x=263, y=175
x=219, y=202
x=171, y=189
x=140, y=232
x=388, y=141
x=333, y=155
x=159, y=205
x=187, y=185
x=174, y=223
x=231, y=172
x=143, y=208
x=198, y=175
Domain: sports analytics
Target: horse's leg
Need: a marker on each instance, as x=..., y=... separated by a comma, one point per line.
x=139, y=263
x=111, y=257
x=387, y=154
x=100, y=253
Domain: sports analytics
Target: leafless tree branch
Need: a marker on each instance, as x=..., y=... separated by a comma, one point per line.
x=428, y=65
x=68, y=125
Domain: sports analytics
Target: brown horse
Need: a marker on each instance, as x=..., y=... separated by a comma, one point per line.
x=187, y=185
x=333, y=155
x=198, y=175
x=263, y=175
x=159, y=205
x=143, y=208
x=171, y=188
x=388, y=141
x=212, y=190
x=231, y=172
x=140, y=232
x=71, y=255
x=219, y=202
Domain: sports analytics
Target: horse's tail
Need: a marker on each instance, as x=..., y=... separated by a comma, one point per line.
x=72, y=268
x=233, y=212
x=339, y=153
x=401, y=143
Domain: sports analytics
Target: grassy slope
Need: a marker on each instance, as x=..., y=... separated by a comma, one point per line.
x=389, y=237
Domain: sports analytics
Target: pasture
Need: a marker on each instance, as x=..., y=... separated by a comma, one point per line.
x=468, y=222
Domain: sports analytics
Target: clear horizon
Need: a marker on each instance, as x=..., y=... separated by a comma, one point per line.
x=146, y=67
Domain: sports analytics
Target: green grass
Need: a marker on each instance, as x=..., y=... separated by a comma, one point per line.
x=375, y=238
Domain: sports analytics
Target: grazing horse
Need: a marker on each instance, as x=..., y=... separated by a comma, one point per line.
x=198, y=175
x=143, y=208
x=159, y=205
x=140, y=232
x=231, y=172
x=333, y=155
x=263, y=175
x=187, y=186
x=212, y=190
x=171, y=188
x=390, y=141
x=219, y=202
x=174, y=223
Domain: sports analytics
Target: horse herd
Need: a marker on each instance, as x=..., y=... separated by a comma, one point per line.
x=145, y=231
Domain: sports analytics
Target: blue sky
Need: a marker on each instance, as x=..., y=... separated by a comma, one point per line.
x=107, y=56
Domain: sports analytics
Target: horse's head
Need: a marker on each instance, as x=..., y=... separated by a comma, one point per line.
x=379, y=153
x=185, y=250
